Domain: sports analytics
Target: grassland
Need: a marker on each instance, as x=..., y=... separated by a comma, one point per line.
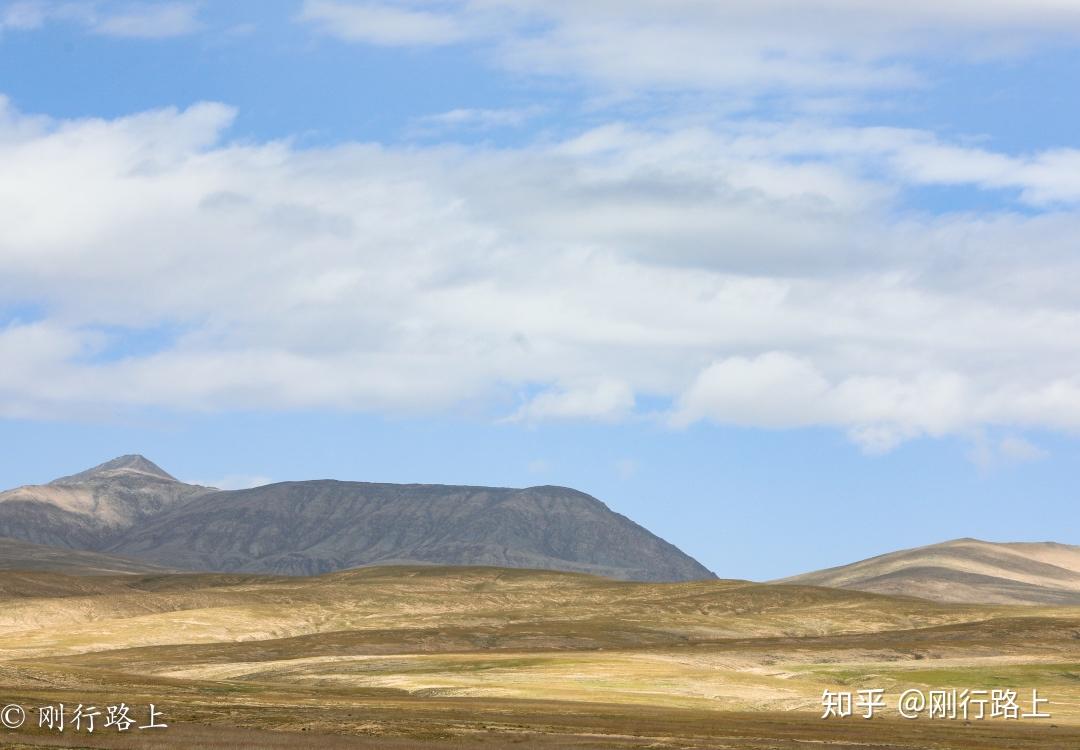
x=475, y=657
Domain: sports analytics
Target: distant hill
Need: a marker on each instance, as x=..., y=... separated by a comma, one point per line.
x=19, y=555
x=965, y=570
x=130, y=507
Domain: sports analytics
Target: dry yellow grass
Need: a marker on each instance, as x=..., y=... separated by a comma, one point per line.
x=438, y=654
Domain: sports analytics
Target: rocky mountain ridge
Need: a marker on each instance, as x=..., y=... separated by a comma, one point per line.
x=130, y=507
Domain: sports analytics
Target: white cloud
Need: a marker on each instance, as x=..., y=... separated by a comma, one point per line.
x=753, y=47
x=141, y=20
x=781, y=390
x=605, y=399
x=150, y=21
x=1043, y=178
x=988, y=453
x=383, y=23
x=1020, y=450
x=754, y=274
x=474, y=119
x=29, y=15
x=22, y=16
x=775, y=389
x=778, y=390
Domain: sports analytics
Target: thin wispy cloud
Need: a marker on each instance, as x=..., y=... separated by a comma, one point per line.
x=755, y=48
x=989, y=453
x=383, y=23
x=28, y=15
x=474, y=119
x=135, y=20
x=150, y=21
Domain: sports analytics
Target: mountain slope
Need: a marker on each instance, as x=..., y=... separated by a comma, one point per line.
x=965, y=570
x=320, y=526
x=88, y=510
x=16, y=554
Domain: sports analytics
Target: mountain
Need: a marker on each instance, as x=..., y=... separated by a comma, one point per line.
x=89, y=510
x=965, y=570
x=16, y=554
x=130, y=507
x=305, y=528
x=131, y=465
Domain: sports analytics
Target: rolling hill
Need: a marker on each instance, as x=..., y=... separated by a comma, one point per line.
x=964, y=570
x=473, y=657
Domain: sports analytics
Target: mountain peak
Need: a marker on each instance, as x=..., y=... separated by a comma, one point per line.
x=129, y=464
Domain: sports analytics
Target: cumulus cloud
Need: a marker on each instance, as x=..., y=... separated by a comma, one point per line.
x=756, y=274
x=605, y=399
x=774, y=389
x=780, y=390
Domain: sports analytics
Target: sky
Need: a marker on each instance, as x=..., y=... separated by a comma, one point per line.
x=790, y=284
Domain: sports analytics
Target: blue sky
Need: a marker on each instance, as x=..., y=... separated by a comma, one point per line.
x=788, y=286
